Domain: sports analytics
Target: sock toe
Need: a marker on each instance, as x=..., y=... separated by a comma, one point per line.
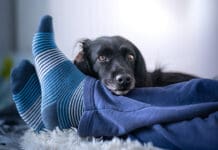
x=26, y=94
x=46, y=24
x=43, y=39
x=20, y=75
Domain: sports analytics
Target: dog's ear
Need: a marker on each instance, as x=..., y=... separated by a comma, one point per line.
x=82, y=61
x=140, y=69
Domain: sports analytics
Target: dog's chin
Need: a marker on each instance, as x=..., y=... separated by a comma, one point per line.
x=117, y=90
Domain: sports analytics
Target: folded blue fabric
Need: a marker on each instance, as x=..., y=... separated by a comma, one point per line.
x=178, y=116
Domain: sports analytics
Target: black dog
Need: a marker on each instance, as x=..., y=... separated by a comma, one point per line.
x=119, y=64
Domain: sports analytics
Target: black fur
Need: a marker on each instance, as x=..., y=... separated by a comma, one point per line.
x=118, y=63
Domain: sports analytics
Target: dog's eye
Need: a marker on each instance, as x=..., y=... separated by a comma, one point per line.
x=130, y=57
x=102, y=58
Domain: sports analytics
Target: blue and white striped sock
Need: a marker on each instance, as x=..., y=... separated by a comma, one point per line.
x=61, y=81
x=26, y=93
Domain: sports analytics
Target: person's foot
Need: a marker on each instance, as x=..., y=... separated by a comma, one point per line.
x=26, y=93
x=61, y=81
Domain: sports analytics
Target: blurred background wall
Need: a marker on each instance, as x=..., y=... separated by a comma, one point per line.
x=7, y=28
x=178, y=35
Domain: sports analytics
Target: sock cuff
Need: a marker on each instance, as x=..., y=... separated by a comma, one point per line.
x=70, y=111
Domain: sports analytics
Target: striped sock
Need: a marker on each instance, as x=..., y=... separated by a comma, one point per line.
x=61, y=81
x=26, y=94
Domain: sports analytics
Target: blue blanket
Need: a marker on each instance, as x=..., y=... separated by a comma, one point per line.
x=178, y=116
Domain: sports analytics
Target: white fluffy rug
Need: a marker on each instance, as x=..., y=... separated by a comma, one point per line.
x=69, y=140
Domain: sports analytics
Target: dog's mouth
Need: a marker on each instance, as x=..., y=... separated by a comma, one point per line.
x=118, y=89
x=121, y=92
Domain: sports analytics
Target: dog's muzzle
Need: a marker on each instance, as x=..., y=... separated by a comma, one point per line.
x=121, y=84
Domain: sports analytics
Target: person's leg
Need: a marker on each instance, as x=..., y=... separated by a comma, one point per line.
x=61, y=82
x=26, y=93
x=198, y=133
x=183, y=93
x=107, y=114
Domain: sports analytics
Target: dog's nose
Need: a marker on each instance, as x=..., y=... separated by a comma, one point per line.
x=123, y=79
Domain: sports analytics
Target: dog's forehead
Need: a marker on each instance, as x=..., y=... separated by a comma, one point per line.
x=113, y=43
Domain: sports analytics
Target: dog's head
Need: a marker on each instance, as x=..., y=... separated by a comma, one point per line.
x=115, y=61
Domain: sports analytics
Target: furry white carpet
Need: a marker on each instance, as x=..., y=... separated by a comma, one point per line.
x=69, y=140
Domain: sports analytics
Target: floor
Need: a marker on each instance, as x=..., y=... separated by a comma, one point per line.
x=11, y=129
